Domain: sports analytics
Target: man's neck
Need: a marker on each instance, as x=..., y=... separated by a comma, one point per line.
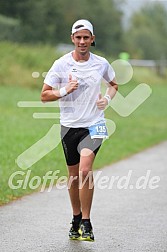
x=80, y=57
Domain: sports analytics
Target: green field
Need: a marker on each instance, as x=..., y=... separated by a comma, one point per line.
x=145, y=127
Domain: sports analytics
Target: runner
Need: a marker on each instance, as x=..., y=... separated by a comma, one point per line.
x=75, y=79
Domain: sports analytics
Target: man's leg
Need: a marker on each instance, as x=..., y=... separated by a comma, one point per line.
x=73, y=188
x=70, y=142
x=86, y=181
x=86, y=193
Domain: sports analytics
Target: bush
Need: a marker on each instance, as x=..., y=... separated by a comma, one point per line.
x=9, y=28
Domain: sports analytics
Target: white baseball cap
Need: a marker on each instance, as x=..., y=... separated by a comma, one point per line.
x=83, y=24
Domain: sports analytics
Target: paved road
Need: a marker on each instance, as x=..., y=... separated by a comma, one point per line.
x=124, y=219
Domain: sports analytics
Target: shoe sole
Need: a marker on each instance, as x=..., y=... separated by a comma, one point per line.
x=84, y=238
x=74, y=238
x=80, y=238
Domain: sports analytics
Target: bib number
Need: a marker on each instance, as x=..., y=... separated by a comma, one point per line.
x=98, y=130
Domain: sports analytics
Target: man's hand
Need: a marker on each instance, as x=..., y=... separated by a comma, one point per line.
x=72, y=85
x=101, y=102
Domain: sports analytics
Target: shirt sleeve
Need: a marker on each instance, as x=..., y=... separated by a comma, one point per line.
x=109, y=73
x=53, y=77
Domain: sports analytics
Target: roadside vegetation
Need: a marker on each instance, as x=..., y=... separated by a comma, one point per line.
x=145, y=127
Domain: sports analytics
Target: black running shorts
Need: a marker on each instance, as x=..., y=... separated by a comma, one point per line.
x=74, y=140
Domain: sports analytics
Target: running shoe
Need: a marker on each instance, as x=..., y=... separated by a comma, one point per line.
x=86, y=231
x=74, y=230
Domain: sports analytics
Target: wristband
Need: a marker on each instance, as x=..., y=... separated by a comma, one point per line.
x=63, y=91
x=108, y=98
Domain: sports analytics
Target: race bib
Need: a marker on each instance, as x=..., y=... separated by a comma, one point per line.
x=98, y=130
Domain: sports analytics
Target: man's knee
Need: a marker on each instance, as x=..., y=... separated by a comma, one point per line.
x=73, y=181
x=85, y=172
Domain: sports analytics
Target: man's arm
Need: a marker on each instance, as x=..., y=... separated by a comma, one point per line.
x=112, y=88
x=110, y=93
x=50, y=94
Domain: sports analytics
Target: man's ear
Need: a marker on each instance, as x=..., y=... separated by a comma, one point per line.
x=93, y=38
x=72, y=38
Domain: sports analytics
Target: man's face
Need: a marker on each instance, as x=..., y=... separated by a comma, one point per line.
x=82, y=41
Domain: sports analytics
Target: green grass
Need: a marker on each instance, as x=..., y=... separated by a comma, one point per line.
x=19, y=61
x=19, y=130
x=144, y=128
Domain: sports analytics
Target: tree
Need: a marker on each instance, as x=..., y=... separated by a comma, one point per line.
x=148, y=32
x=50, y=21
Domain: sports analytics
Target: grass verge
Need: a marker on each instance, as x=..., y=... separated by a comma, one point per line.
x=19, y=130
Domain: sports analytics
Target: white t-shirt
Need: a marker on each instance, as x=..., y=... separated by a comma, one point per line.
x=79, y=109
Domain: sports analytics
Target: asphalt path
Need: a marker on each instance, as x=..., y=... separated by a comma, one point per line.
x=129, y=211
